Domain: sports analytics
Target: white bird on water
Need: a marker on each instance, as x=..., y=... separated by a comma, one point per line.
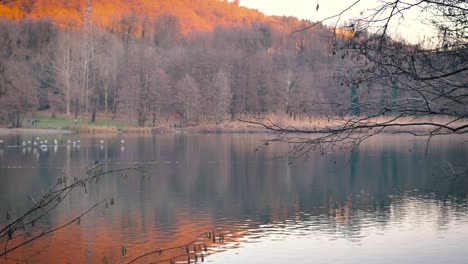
x=122, y=141
x=24, y=143
x=35, y=143
x=55, y=142
x=78, y=141
x=102, y=141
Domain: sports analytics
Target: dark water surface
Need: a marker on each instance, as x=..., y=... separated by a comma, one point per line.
x=386, y=203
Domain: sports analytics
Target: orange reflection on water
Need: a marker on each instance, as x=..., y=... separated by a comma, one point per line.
x=92, y=242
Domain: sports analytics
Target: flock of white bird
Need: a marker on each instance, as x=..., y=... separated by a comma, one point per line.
x=43, y=144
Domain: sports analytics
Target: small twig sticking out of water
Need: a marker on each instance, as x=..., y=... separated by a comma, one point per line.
x=197, y=252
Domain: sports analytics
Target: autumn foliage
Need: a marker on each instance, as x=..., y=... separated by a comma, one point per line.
x=201, y=15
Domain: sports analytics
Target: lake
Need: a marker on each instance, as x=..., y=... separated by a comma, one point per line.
x=388, y=202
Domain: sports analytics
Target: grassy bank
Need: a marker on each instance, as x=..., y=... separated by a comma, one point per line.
x=300, y=122
x=67, y=123
x=83, y=125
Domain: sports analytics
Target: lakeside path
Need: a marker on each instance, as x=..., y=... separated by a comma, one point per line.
x=7, y=131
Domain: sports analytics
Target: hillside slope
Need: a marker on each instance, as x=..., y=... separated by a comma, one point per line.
x=202, y=15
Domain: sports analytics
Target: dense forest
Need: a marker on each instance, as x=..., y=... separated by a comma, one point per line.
x=199, y=15
x=189, y=61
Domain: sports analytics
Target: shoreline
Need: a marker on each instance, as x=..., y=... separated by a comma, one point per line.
x=155, y=131
x=6, y=131
x=57, y=126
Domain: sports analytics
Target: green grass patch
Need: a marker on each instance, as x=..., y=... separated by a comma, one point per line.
x=67, y=123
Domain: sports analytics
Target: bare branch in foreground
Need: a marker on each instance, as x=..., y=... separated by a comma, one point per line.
x=51, y=200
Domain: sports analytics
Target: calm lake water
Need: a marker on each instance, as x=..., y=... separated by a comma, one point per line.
x=386, y=203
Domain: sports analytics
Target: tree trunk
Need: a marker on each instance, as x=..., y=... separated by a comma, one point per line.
x=93, y=104
x=114, y=111
x=141, y=119
x=106, y=104
x=68, y=99
x=154, y=116
x=185, y=117
x=93, y=115
x=245, y=94
x=77, y=107
x=18, y=120
x=116, y=93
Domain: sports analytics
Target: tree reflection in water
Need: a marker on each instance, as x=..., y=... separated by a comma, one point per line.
x=385, y=192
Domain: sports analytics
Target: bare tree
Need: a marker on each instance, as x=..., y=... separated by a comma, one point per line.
x=358, y=75
x=109, y=60
x=222, y=92
x=187, y=97
x=425, y=85
x=65, y=66
x=22, y=57
x=87, y=64
x=19, y=91
x=145, y=84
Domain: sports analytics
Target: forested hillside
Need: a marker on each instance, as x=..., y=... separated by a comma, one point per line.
x=149, y=61
x=202, y=15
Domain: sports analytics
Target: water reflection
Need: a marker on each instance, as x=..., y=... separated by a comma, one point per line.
x=386, y=197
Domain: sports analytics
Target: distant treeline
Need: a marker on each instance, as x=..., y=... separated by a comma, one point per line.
x=149, y=70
